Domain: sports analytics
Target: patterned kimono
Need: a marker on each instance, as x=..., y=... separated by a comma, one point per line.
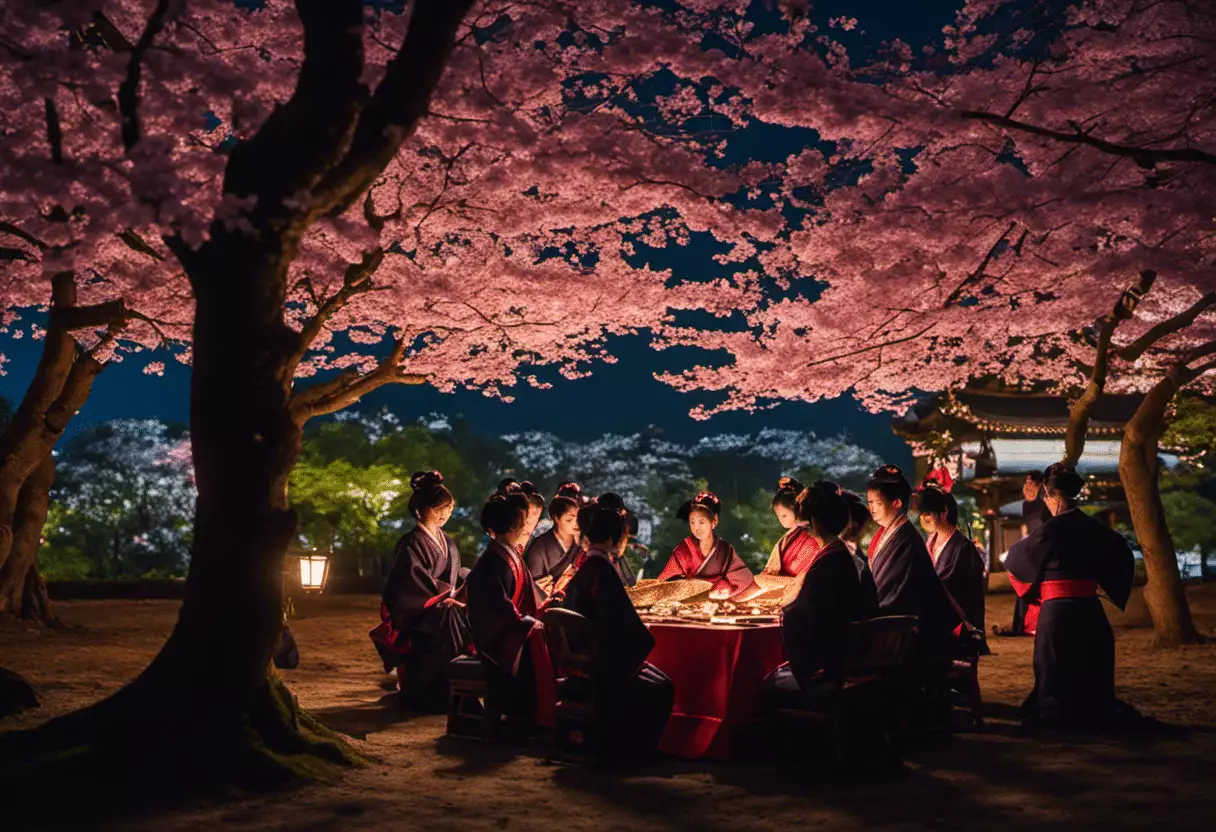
x=722, y=566
x=793, y=553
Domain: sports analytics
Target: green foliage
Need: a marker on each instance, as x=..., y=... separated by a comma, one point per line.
x=1191, y=518
x=1192, y=430
x=351, y=485
x=122, y=503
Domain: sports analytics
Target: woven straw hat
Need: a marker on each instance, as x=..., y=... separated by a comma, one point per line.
x=649, y=593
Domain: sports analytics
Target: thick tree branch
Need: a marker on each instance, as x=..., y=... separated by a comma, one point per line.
x=54, y=131
x=1167, y=327
x=347, y=388
x=128, y=91
x=1078, y=413
x=310, y=133
x=87, y=317
x=399, y=103
x=358, y=279
x=1145, y=156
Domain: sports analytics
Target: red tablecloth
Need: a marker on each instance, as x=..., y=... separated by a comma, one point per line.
x=718, y=672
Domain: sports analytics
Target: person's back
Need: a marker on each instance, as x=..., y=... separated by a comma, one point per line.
x=1060, y=567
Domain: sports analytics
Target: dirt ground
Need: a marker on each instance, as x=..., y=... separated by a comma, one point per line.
x=1002, y=778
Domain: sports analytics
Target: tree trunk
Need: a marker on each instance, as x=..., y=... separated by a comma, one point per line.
x=22, y=590
x=1138, y=471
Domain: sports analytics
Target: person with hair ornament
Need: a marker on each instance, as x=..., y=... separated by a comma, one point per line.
x=706, y=556
x=1061, y=566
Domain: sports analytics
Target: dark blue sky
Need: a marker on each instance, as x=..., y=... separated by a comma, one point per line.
x=619, y=398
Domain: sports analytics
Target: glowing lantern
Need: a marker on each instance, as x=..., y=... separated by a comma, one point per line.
x=314, y=571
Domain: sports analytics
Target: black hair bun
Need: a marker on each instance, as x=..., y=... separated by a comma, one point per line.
x=569, y=489
x=706, y=500
x=426, y=479
x=613, y=501
x=507, y=486
x=528, y=488
x=889, y=471
x=1060, y=477
x=789, y=484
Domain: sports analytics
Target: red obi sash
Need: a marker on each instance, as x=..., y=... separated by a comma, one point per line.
x=524, y=601
x=1050, y=591
x=799, y=553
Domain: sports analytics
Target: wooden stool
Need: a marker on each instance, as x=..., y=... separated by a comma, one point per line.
x=965, y=677
x=471, y=712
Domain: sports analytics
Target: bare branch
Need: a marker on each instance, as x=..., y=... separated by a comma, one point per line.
x=347, y=388
x=54, y=131
x=978, y=274
x=1167, y=327
x=871, y=347
x=399, y=103
x=1144, y=156
x=128, y=91
x=358, y=279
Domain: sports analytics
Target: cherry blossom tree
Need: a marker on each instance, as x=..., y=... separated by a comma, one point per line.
x=454, y=195
x=1003, y=209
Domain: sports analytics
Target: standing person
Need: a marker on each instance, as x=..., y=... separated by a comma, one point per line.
x=706, y=556
x=633, y=698
x=815, y=625
x=503, y=606
x=424, y=624
x=551, y=552
x=958, y=563
x=793, y=553
x=1034, y=515
x=1060, y=566
x=903, y=570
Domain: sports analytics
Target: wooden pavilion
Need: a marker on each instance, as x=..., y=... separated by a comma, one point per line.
x=989, y=437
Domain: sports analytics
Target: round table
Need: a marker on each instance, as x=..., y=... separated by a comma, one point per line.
x=718, y=671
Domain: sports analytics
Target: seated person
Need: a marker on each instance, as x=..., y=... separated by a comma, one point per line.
x=815, y=625
x=425, y=625
x=903, y=570
x=551, y=552
x=859, y=521
x=796, y=548
x=706, y=556
x=503, y=605
x=628, y=576
x=958, y=563
x=633, y=699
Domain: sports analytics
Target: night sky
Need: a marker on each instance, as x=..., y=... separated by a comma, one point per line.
x=619, y=398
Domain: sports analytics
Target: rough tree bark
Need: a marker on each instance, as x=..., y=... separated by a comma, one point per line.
x=59, y=388
x=209, y=710
x=1139, y=471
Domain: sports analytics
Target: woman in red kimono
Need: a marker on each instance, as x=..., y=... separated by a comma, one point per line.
x=797, y=547
x=504, y=608
x=423, y=621
x=706, y=556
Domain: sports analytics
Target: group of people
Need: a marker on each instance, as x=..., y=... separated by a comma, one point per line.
x=434, y=609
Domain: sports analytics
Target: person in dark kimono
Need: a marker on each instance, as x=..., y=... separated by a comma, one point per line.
x=815, y=624
x=503, y=611
x=793, y=553
x=633, y=698
x=958, y=563
x=615, y=501
x=859, y=521
x=706, y=556
x=424, y=622
x=536, y=502
x=903, y=571
x=1034, y=514
x=1060, y=567
x=551, y=552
